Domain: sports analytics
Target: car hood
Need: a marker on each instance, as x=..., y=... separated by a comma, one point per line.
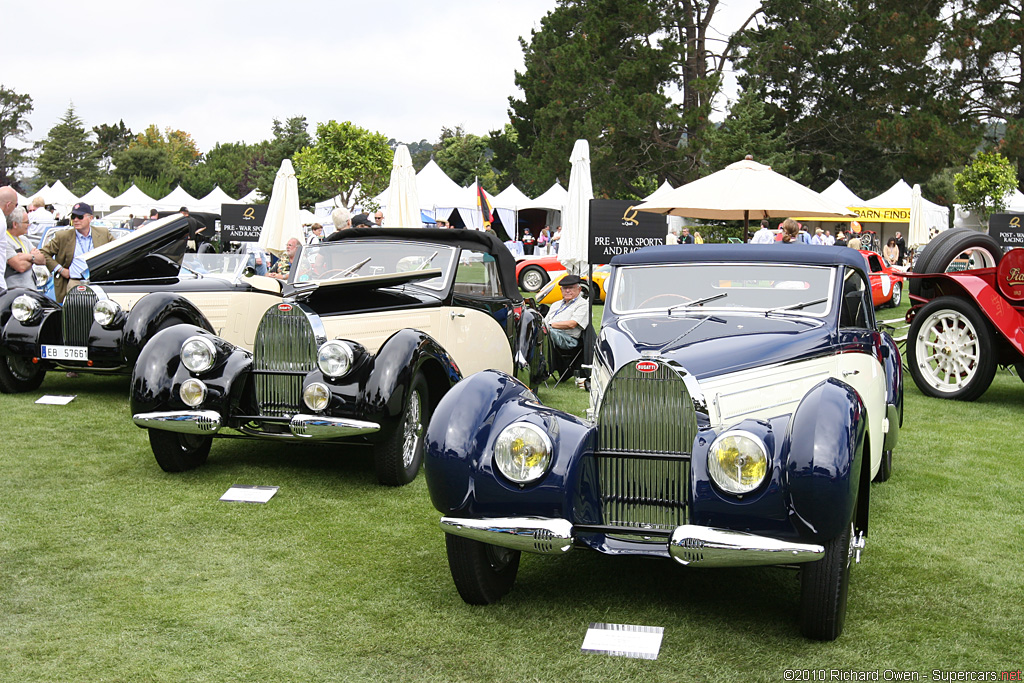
x=709, y=344
x=153, y=251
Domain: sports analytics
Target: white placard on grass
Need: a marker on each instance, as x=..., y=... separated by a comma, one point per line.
x=249, y=494
x=623, y=640
x=50, y=400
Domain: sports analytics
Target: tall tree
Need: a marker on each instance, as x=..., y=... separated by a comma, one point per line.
x=290, y=136
x=464, y=157
x=984, y=184
x=14, y=125
x=747, y=130
x=984, y=45
x=854, y=86
x=346, y=160
x=225, y=165
x=111, y=139
x=69, y=155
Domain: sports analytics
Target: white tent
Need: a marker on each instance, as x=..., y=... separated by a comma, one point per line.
x=176, y=199
x=211, y=202
x=674, y=223
x=511, y=198
x=893, y=206
x=98, y=199
x=554, y=199
x=58, y=195
x=962, y=218
x=134, y=197
x=841, y=194
x=253, y=197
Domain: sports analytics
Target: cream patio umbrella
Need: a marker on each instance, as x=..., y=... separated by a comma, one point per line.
x=918, y=236
x=403, y=207
x=282, y=221
x=742, y=191
x=575, y=240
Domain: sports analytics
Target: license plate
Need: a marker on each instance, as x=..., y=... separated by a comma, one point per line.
x=65, y=352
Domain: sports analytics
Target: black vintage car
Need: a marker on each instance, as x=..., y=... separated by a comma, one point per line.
x=375, y=327
x=137, y=286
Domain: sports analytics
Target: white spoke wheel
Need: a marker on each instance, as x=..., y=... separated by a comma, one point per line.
x=951, y=350
x=532, y=278
x=397, y=459
x=897, y=294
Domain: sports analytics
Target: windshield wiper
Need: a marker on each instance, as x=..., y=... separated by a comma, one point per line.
x=698, y=302
x=354, y=269
x=796, y=307
x=423, y=266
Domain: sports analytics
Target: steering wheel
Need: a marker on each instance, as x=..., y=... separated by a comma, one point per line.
x=680, y=297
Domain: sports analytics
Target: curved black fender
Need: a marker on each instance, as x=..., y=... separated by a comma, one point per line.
x=25, y=338
x=158, y=373
x=532, y=356
x=459, y=465
x=150, y=312
x=391, y=372
x=825, y=446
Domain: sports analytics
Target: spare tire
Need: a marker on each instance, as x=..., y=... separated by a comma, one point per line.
x=949, y=248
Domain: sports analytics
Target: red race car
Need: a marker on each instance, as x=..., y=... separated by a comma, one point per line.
x=534, y=273
x=886, y=282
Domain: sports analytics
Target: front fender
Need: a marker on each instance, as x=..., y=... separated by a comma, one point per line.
x=150, y=312
x=461, y=475
x=25, y=338
x=825, y=447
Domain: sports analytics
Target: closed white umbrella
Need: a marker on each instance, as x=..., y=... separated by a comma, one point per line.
x=282, y=222
x=575, y=240
x=403, y=207
x=918, y=236
x=742, y=191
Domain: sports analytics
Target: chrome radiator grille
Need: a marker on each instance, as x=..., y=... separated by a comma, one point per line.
x=646, y=426
x=285, y=350
x=76, y=316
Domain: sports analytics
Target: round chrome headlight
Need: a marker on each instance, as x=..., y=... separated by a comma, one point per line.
x=198, y=354
x=192, y=392
x=105, y=311
x=523, y=452
x=738, y=462
x=25, y=308
x=316, y=396
x=334, y=358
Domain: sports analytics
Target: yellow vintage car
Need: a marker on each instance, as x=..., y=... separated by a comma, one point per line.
x=550, y=293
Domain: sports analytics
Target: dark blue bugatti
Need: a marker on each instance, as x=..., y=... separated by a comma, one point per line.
x=742, y=399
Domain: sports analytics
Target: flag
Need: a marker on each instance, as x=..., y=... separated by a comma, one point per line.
x=487, y=213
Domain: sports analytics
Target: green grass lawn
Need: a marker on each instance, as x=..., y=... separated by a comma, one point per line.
x=111, y=570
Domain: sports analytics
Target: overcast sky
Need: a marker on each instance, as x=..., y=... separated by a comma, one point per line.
x=223, y=71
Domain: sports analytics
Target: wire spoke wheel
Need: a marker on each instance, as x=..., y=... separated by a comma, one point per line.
x=413, y=429
x=950, y=350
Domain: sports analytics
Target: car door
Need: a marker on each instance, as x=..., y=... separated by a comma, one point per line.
x=479, y=324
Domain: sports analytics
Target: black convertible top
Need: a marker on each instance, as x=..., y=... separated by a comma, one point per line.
x=473, y=240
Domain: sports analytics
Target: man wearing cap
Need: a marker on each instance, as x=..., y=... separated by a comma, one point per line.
x=362, y=220
x=65, y=251
x=567, y=319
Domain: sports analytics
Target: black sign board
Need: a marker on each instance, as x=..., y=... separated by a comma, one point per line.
x=616, y=227
x=241, y=222
x=1007, y=229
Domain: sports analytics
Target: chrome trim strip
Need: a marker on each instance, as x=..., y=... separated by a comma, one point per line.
x=700, y=546
x=322, y=427
x=530, y=534
x=202, y=422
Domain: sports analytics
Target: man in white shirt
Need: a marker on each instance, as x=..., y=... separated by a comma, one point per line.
x=567, y=319
x=8, y=203
x=764, y=235
x=38, y=213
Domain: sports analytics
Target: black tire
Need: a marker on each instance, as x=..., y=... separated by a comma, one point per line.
x=885, y=471
x=179, y=452
x=897, y=295
x=532, y=278
x=397, y=459
x=824, y=586
x=483, y=573
x=19, y=374
x=951, y=350
x=945, y=247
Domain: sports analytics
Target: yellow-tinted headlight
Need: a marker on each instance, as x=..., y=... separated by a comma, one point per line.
x=192, y=392
x=738, y=462
x=316, y=396
x=523, y=452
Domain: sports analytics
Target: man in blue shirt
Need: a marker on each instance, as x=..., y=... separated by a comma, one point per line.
x=65, y=251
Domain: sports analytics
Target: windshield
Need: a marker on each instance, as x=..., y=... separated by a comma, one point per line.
x=678, y=288
x=333, y=261
x=226, y=266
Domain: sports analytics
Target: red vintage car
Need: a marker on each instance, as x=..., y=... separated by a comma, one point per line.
x=533, y=273
x=967, y=315
x=886, y=282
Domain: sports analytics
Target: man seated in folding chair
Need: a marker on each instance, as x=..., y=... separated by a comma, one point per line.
x=566, y=321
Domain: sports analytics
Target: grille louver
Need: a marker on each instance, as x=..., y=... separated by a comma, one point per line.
x=76, y=316
x=285, y=350
x=647, y=424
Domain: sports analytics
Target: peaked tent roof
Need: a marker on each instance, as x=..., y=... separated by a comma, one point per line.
x=554, y=199
x=97, y=198
x=898, y=197
x=659, y=193
x=41, y=192
x=58, y=194
x=216, y=197
x=436, y=189
x=841, y=194
x=178, y=197
x=511, y=198
x=131, y=197
x=253, y=197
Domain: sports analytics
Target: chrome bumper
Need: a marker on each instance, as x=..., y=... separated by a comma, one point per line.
x=208, y=422
x=694, y=546
x=205, y=422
